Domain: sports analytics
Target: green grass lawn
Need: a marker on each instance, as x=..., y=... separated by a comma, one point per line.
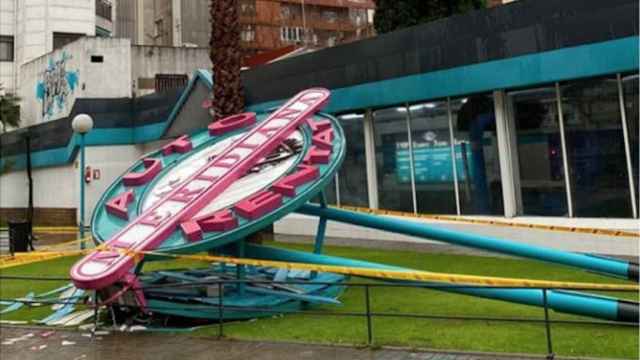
x=568, y=340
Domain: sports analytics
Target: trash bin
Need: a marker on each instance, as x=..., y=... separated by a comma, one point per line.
x=18, y=236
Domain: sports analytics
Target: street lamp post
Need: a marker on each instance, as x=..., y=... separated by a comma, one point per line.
x=82, y=124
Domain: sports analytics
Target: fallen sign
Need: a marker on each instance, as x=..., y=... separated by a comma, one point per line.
x=211, y=189
x=180, y=204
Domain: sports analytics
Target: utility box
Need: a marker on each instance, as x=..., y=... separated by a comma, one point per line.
x=19, y=236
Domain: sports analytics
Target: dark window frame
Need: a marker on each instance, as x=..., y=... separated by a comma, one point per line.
x=165, y=82
x=64, y=38
x=104, y=9
x=11, y=40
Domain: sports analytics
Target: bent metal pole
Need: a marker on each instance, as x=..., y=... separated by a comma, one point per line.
x=571, y=302
x=603, y=265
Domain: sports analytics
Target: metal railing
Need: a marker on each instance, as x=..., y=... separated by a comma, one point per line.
x=368, y=313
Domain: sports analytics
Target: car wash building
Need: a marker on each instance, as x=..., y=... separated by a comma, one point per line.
x=523, y=112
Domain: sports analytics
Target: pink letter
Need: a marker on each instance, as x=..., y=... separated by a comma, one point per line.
x=233, y=122
x=152, y=168
x=155, y=218
x=258, y=205
x=287, y=186
x=191, y=230
x=180, y=145
x=323, y=139
x=220, y=221
x=118, y=205
x=318, y=125
x=186, y=195
x=317, y=156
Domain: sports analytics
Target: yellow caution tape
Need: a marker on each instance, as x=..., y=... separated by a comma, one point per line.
x=49, y=228
x=43, y=254
x=452, y=218
x=413, y=275
x=33, y=257
x=464, y=219
x=52, y=247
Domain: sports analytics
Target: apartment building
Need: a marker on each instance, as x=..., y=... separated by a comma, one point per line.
x=265, y=24
x=30, y=29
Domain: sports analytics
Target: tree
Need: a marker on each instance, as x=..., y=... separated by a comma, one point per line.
x=226, y=58
x=397, y=14
x=9, y=110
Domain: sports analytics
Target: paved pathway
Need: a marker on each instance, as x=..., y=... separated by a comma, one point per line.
x=68, y=345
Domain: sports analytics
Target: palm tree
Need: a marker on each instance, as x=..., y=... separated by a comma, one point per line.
x=226, y=57
x=9, y=110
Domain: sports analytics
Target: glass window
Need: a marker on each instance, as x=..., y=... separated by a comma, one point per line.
x=595, y=148
x=542, y=180
x=392, y=159
x=630, y=88
x=353, y=173
x=477, y=162
x=6, y=48
x=433, y=167
x=248, y=7
x=330, y=193
x=103, y=9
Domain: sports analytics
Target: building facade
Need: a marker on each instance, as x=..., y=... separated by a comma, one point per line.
x=30, y=29
x=512, y=112
x=265, y=24
x=268, y=25
x=51, y=84
x=164, y=22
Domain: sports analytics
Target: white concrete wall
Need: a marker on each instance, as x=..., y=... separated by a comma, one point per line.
x=112, y=162
x=58, y=186
x=108, y=79
x=296, y=224
x=147, y=61
x=52, y=187
x=39, y=19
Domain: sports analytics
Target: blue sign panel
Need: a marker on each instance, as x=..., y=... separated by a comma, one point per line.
x=433, y=163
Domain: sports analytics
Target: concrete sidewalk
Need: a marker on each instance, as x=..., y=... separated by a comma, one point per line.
x=30, y=343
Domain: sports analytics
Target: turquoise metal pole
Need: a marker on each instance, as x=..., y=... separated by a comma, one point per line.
x=81, y=222
x=563, y=301
x=240, y=269
x=322, y=227
x=603, y=265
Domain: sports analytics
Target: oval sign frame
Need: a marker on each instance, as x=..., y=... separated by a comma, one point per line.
x=104, y=225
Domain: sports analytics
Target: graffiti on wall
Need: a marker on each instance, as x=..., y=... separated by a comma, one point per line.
x=55, y=86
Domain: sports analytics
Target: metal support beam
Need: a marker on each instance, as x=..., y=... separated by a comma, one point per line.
x=602, y=265
x=563, y=145
x=627, y=149
x=505, y=152
x=336, y=179
x=82, y=166
x=452, y=142
x=563, y=301
x=412, y=170
x=370, y=157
